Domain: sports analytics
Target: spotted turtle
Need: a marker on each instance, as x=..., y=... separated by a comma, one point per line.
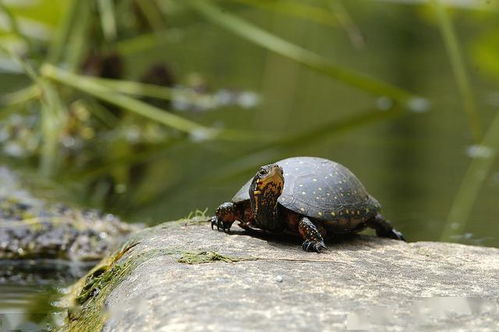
x=314, y=197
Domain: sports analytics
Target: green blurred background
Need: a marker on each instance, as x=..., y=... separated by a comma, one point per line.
x=155, y=109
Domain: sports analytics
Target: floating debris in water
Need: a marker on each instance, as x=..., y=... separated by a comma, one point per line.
x=492, y=99
x=470, y=238
x=200, y=135
x=418, y=105
x=197, y=100
x=479, y=151
x=384, y=103
x=495, y=178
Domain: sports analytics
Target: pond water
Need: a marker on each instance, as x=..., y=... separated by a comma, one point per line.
x=29, y=291
x=413, y=162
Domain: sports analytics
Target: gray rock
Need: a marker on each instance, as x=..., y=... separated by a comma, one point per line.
x=31, y=228
x=158, y=282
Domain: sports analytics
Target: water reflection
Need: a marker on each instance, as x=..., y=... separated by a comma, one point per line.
x=30, y=290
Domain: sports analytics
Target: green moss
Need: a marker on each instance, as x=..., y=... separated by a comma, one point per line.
x=86, y=310
x=86, y=303
x=205, y=257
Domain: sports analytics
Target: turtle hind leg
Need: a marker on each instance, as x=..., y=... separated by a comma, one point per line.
x=384, y=229
x=312, y=235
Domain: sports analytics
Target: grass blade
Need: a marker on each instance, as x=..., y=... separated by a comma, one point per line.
x=52, y=117
x=196, y=130
x=299, y=54
x=297, y=9
x=458, y=67
x=108, y=21
x=14, y=25
x=347, y=22
x=52, y=123
x=153, y=14
x=470, y=185
x=91, y=87
x=137, y=88
x=20, y=96
x=248, y=160
x=63, y=34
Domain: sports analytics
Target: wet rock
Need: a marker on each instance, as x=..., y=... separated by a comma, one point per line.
x=31, y=228
x=182, y=276
x=41, y=272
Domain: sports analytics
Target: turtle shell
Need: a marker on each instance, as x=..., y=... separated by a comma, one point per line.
x=321, y=189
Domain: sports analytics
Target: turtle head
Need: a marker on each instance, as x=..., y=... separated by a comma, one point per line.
x=268, y=181
x=265, y=189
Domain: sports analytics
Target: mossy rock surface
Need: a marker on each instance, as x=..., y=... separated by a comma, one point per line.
x=32, y=228
x=182, y=276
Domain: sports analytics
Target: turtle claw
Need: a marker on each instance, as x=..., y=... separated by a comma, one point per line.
x=393, y=234
x=313, y=246
x=220, y=225
x=397, y=235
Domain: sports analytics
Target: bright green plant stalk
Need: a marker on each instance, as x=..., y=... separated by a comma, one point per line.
x=14, y=25
x=93, y=88
x=78, y=41
x=53, y=119
x=472, y=182
x=299, y=54
x=136, y=88
x=107, y=17
x=59, y=43
x=52, y=116
x=20, y=96
x=152, y=13
x=458, y=67
x=346, y=21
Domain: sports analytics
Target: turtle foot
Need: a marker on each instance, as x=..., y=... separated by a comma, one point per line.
x=396, y=235
x=221, y=226
x=313, y=246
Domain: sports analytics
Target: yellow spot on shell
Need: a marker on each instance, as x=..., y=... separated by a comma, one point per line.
x=320, y=213
x=333, y=214
x=302, y=209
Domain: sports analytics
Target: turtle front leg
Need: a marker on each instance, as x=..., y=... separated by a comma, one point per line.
x=311, y=234
x=383, y=228
x=225, y=215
